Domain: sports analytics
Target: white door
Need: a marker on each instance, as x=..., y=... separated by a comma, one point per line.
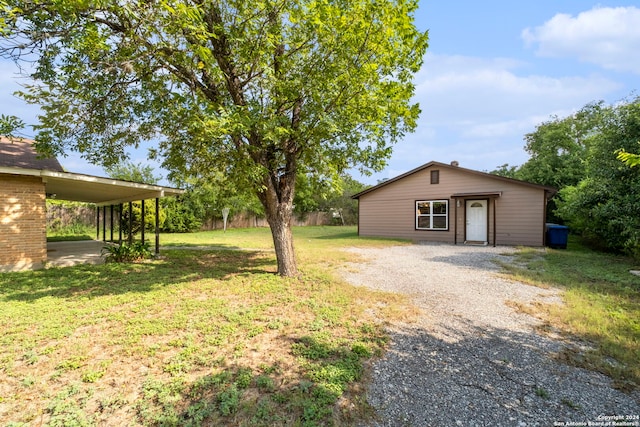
x=477, y=220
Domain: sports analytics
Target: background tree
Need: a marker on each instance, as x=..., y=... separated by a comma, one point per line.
x=329, y=195
x=133, y=172
x=257, y=89
x=582, y=155
x=558, y=148
x=340, y=202
x=143, y=174
x=604, y=205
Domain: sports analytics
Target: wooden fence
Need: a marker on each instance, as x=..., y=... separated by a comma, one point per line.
x=59, y=216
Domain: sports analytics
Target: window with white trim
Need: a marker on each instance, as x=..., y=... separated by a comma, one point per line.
x=432, y=215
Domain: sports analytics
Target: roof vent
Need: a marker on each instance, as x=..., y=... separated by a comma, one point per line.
x=455, y=163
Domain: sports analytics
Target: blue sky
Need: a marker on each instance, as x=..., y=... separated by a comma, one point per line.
x=493, y=71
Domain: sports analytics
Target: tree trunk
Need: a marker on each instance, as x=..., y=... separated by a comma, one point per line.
x=277, y=199
x=280, y=224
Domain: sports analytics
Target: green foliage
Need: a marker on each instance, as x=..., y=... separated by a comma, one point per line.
x=9, y=124
x=66, y=409
x=506, y=171
x=143, y=174
x=257, y=91
x=129, y=171
x=604, y=205
x=204, y=200
x=136, y=217
x=581, y=156
x=182, y=215
x=329, y=195
x=630, y=159
x=340, y=203
x=126, y=252
x=558, y=148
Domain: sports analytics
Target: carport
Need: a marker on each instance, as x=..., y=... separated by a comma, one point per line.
x=26, y=181
x=107, y=194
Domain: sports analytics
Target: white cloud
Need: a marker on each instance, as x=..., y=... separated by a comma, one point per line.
x=605, y=36
x=477, y=111
x=468, y=92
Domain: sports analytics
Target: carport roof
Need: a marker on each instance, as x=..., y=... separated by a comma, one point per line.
x=19, y=158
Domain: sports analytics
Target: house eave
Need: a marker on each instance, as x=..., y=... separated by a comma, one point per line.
x=550, y=190
x=93, y=189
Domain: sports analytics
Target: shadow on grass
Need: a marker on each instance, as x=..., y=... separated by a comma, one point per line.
x=489, y=375
x=239, y=394
x=117, y=278
x=337, y=236
x=200, y=246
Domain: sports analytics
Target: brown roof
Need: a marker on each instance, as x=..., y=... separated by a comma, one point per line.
x=444, y=165
x=21, y=153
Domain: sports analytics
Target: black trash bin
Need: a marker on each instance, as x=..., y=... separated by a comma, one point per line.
x=557, y=236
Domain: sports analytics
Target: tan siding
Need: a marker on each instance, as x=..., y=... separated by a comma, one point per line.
x=390, y=210
x=23, y=241
x=520, y=217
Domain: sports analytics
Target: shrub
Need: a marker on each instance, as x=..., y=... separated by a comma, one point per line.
x=127, y=252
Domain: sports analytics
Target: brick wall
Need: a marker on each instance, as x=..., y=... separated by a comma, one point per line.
x=23, y=240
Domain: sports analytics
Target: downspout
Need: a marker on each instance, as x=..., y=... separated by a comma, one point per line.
x=455, y=220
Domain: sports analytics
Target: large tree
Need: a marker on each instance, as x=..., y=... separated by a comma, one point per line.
x=558, y=148
x=604, y=206
x=260, y=90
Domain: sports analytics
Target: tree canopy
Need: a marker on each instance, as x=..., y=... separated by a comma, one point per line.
x=582, y=155
x=258, y=90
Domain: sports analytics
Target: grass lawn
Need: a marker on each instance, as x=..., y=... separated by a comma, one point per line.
x=602, y=306
x=208, y=337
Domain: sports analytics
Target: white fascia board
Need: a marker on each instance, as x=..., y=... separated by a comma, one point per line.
x=99, y=180
x=19, y=171
x=135, y=198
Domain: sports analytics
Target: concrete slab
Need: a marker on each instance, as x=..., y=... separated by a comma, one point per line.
x=65, y=254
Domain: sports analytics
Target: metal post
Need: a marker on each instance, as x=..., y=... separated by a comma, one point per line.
x=142, y=223
x=97, y=222
x=104, y=223
x=157, y=225
x=111, y=222
x=120, y=224
x=130, y=223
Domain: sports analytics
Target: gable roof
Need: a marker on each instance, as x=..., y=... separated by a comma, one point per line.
x=20, y=153
x=18, y=157
x=457, y=168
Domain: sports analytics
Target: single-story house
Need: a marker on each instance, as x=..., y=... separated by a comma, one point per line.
x=440, y=202
x=26, y=181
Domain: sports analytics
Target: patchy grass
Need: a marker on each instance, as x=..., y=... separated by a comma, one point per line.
x=602, y=305
x=208, y=337
x=70, y=233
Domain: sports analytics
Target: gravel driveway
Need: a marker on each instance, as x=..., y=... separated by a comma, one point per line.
x=471, y=359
